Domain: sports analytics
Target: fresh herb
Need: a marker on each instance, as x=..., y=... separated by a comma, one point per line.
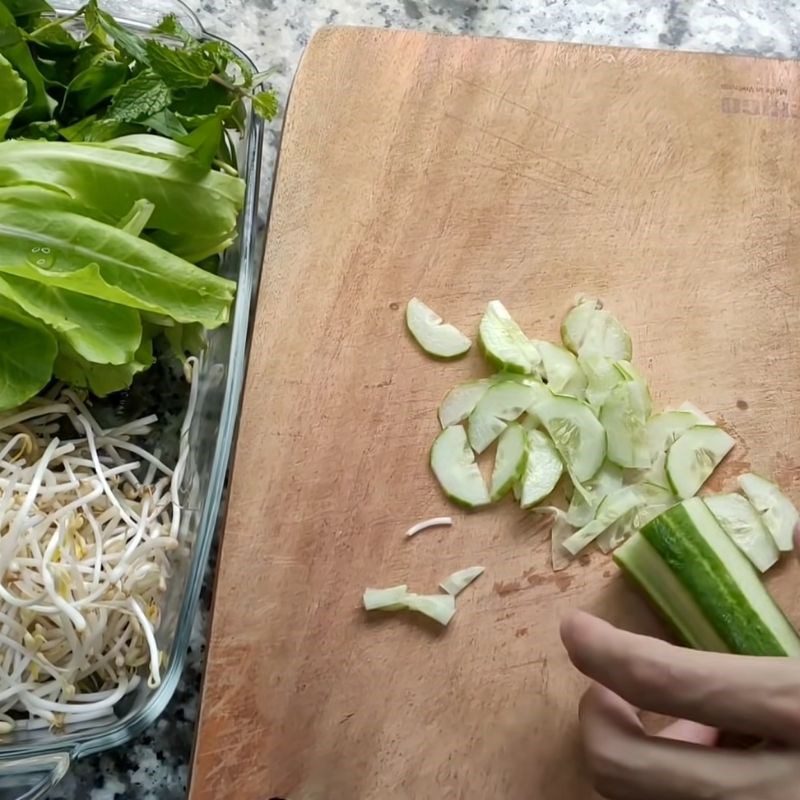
x=86, y=76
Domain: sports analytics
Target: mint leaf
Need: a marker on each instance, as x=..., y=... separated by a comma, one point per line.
x=265, y=104
x=140, y=98
x=171, y=26
x=223, y=55
x=126, y=41
x=179, y=69
x=205, y=141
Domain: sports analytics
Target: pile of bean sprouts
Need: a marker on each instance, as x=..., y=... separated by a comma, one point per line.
x=88, y=520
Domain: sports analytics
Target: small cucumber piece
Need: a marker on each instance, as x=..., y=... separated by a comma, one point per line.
x=561, y=369
x=642, y=563
x=503, y=342
x=576, y=433
x=460, y=401
x=655, y=500
x=614, y=507
x=436, y=337
x=663, y=429
x=776, y=509
x=720, y=579
x=543, y=469
x=453, y=464
x=582, y=508
x=588, y=329
x=509, y=463
x=601, y=377
x=501, y=404
x=694, y=456
x=624, y=417
x=744, y=525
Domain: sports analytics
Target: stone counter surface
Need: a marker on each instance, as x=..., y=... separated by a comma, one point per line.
x=274, y=33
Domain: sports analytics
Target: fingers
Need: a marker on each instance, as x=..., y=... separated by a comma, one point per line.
x=758, y=696
x=626, y=764
x=684, y=730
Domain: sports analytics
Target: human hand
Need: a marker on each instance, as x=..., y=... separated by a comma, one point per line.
x=707, y=692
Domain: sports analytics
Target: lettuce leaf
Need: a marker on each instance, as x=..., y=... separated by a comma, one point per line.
x=95, y=259
x=27, y=355
x=97, y=330
x=13, y=94
x=191, y=205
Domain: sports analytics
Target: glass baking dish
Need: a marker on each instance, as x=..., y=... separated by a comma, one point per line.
x=33, y=761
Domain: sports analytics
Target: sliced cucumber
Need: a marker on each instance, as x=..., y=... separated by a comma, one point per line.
x=655, y=500
x=436, y=337
x=460, y=401
x=503, y=342
x=583, y=505
x=501, y=404
x=453, y=464
x=509, y=463
x=590, y=330
x=613, y=508
x=664, y=428
x=561, y=369
x=576, y=432
x=721, y=580
x=776, y=509
x=601, y=377
x=543, y=469
x=644, y=565
x=624, y=416
x=744, y=525
x=694, y=456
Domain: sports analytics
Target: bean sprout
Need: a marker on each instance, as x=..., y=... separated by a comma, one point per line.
x=88, y=522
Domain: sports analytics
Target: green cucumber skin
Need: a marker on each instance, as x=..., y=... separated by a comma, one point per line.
x=696, y=636
x=498, y=364
x=706, y=578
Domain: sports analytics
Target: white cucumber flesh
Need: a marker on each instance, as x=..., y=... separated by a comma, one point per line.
x=502, y=403
x=776, y=509
x=461, y=400
x=664, y=428
x=453, y=464
x=543, y=469
x=576, y=433
x=504, y=343
x=583, y=505
x=613, y=507
x=601, y=378
x=744, y=525
x=510, y=460
x=588, y=329
x=434, y=336
x=694, y=456
x=561, y=369
x=624, y=416
x=703, y=418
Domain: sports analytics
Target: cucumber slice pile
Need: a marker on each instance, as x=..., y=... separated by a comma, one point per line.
x=578, y=412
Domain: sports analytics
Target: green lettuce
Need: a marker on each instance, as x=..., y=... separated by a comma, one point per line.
x=27, y=355
x=63, y=250
x=13, y=94
x=197, y=210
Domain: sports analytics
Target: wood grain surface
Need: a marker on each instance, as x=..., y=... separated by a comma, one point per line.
x=463, y=170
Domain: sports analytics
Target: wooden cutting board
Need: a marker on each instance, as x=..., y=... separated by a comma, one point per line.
x=462, y=170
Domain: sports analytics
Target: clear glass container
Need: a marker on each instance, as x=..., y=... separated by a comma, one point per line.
x=33, y=761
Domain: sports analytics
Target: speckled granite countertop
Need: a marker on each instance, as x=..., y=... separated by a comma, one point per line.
x=274, y=32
